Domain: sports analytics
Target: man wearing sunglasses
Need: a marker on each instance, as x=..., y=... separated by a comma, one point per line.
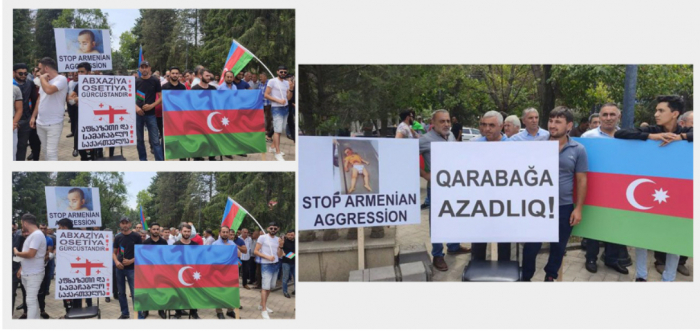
x=279, y=91
x=26, y=135
x=268, y=250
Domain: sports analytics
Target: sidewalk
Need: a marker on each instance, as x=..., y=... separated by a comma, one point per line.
x=574, y=260
x=130, y=153
x=250, y=299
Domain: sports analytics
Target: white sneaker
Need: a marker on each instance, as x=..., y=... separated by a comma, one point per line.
x=279, y=157
x=265, y=315
x=274, y=151
x=268, y=309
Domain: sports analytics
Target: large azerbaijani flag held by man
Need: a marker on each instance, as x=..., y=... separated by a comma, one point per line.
x=212, y=123
x=639, y=194
x=233, y=215
x=185, y=277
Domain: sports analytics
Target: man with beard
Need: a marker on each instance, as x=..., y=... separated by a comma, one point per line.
x=186, y=231
x=573, y=166
x=31, y=268
x=228, y=82
x=26, y=135
x=240, y=83
x=224, y=239
x=440, y=133
x=148, y=96
x=204, y=81
x=279, y=91
x=269, y=250
x=405, y=130
x=84, y=68
x=123, y=257
x=155, y=239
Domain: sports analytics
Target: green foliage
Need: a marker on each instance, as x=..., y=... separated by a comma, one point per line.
x=22, y=37
x=332, y=96
x=29, y=195
x=82, y=19
x=45, y=40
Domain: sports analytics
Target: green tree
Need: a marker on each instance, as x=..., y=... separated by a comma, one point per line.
x=113, y=194
x=22, y=37
x=29, y=195
x=82, y=19
x=45, y=40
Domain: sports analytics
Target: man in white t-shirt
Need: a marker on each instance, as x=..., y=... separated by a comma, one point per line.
x=279, y=91
x=245, y=258
x=32, y=263
x=405, y=129
x=48, y=113
x=269, y=250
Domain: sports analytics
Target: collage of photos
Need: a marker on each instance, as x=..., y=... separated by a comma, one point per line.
x=382, y=173
x=547, y=203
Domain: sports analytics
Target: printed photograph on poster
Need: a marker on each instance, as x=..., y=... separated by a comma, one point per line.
x=106, y=111
x=80, y=204
x=74, y=199
x=360, y=164
x=74, y=46
x=353, y=197
x=83, y=264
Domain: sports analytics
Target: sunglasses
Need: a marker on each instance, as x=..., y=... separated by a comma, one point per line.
x=22, y=73
x=283, y=72
x=273, y=228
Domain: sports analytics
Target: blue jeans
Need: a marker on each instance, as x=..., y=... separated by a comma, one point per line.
x=121, y=275
x=153, y=136
x=427, y=196
x=279, y=118
x=556, y=249
x=287, y=273
x=669, y=274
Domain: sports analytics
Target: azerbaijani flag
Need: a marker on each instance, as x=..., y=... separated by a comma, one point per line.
x=199, y=123
x=238, y=57
x=185, y=277
x=639, y=194
x=290, y=255
x=140, y=60
x=143, y=219
x=233, y=215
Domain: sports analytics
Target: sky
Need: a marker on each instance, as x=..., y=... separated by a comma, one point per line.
x=120, y=20
x=135, y=182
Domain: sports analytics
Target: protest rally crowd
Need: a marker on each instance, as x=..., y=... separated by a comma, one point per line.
x=261, y=254
x=673, y=125
x=41, y=97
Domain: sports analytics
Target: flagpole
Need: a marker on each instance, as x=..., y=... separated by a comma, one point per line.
x=256, y=222
x=255, y=57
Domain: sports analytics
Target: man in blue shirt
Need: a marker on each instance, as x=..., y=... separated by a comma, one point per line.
x=532, y=132
x=573, y=166
x=240, y=83
x=228, y=82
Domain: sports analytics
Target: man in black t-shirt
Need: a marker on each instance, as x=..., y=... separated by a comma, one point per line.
x=123, y=257
x=186, y=231
x=204, y=85
x=147, y=88
x=84, y=68
x=172, y=84
x=155, y=239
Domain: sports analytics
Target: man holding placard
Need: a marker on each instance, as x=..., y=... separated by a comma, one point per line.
x=573, y=165
x=440, y=133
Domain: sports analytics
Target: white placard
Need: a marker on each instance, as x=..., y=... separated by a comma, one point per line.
x=494, y=192
x=80, y=204
x=327, y=198
x=106, y=111
x=83, y=264
x=74, y=46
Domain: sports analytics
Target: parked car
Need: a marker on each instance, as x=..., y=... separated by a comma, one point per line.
x=469, y=133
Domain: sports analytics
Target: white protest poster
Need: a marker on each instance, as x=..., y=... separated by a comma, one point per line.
x=494, y=192
x=80, y=204
x=106, y=111
x=358, y=182
x=74, y=46
x=83, y=264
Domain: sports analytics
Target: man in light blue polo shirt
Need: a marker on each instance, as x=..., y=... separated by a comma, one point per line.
x=609, y=117
x=228, y=82
x=573, y=165
x=532, y=132
x=490, y=126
